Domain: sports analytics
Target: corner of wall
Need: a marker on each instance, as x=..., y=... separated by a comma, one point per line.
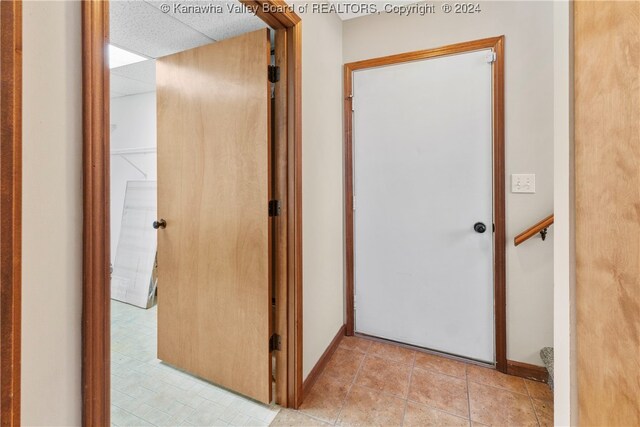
x=322, y=183
x=565, y=396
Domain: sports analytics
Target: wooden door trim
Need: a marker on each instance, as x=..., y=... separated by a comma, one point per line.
x=528, y=371
x=322, y=362
x=497, y=44
x=275, y=13
x=10, y=210
x=279, y=223
x=96, y=357
x=96, y=258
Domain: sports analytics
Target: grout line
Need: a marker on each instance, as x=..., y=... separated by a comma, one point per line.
x=535, y=413
x=499, y=388
x=425, y=350
x=466, y=375
x=533, y=407
x=171, y=380
x=129, y=412
x=438, y=409
x=528, y=394
x=406, y=401
x=322, y=420
x=385, y=393
x=368, y=347
x=387, y=359
x=413, y=365
x=181, y=23
x=432, y=370
x=353, y=382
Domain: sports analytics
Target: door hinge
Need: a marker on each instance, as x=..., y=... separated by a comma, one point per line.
x=274, y=73
x=275, y=343
x=491, y=57
x=274, y=207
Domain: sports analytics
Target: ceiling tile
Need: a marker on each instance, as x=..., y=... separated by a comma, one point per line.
x=126, y=86
x=115, y=94
x=143, y=29
x=237, y=23
x=142, y=71
x=217, y=19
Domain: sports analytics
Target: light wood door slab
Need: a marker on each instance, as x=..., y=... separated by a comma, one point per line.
x=607, y=185
x=213, y=191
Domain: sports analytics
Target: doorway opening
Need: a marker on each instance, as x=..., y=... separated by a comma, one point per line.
x=203, y=273
x=439, y=113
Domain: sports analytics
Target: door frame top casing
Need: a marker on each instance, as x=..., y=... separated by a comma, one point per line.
x=96, y=259
x=497, y=44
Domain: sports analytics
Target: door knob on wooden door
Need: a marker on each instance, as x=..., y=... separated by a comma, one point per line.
x=159, y=224
x=479, y=227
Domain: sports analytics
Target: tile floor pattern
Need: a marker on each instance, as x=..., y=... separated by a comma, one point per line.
x=365, y=383
x=369, y=383
x=146, y=392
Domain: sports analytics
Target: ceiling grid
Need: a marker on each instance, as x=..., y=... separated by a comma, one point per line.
x=143, y=28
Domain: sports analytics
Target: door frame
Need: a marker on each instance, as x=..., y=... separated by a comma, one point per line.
x=497, y=44
x=10, y=210
x=96, y=252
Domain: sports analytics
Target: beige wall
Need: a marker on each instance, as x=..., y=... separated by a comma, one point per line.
x=52, y=214
x=322, y=186
x=565, y=384
x=528, y=30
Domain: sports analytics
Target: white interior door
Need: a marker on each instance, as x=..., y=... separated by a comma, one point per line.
x=422, y=179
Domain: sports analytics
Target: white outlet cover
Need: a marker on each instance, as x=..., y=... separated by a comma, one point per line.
x=523, y=183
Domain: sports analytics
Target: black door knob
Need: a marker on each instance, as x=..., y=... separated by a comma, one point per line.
x=479, y=227
x=159, y=224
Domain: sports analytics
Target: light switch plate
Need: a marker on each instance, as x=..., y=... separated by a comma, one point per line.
x=523, y=183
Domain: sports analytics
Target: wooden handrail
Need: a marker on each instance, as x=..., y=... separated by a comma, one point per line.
x=540, y=227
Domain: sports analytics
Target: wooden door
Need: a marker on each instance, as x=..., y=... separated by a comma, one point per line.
x=607, y=216
x=213, y=192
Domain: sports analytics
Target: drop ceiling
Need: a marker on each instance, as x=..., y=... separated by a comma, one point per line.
x=143, y=28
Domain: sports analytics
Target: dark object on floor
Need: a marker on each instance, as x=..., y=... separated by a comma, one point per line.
x=547, y=357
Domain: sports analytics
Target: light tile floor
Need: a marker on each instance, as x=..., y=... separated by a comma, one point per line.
x=147, y=392
x=369, y=383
